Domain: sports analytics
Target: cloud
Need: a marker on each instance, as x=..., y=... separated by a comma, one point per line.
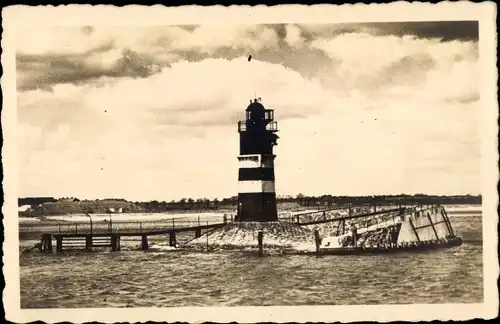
x=294, y=36
x=442, y=30
x=210, y=92
x=404, y=63
x=46, y=71
x=209, y=38
x=438, y=30
x=49, y=56
x=74, y=55
x=361, y=110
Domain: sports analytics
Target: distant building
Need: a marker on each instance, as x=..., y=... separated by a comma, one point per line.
x=70, y=199
x=24, y=208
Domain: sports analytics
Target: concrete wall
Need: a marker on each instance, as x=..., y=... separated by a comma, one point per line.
x=421, y=219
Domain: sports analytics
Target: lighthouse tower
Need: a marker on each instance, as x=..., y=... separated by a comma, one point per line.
x=257, y=196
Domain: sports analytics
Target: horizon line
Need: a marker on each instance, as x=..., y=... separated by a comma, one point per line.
x=283, y=196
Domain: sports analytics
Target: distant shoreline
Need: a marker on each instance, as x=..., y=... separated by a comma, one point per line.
x=49, y=206
x=455, y=209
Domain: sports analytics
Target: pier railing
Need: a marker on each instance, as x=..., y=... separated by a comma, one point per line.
x=120, y=226
x=341, y=212
x=426, y=225
x=339, y=225
x=365, y=213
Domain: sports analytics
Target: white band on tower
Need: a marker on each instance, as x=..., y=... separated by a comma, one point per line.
x=256, y=186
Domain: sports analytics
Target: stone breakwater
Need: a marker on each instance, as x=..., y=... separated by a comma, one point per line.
x=276, y=235
x=390, y=229
x=428, y=225
x=383, y=235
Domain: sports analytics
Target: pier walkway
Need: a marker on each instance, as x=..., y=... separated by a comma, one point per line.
x=86, y=236
x=91, y=239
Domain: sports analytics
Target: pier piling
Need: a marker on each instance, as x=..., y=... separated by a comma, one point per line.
x=207, y=237
x=88, y=242
x=46, y=243
x=59, y=244
x=317, y=240
x=115, y=242
x=260, y=239
x=197, y=233
x=144, y=242
x=173, y=241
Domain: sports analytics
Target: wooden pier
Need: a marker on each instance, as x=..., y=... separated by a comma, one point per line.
x=79, y=236
x=89, y=241
x=74, y=238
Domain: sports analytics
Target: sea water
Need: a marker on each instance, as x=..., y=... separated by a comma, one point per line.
x=224, y=278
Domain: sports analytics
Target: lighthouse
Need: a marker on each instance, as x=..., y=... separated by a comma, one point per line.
x=256, y=182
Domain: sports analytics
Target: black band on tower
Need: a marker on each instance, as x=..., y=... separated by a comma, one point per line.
x=265, y=174
x=257, y=207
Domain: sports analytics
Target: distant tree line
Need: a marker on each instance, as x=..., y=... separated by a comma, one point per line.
x=327, y=201
x=188, y=204
x=402, y=199
x=35, y=200
x=53, y=206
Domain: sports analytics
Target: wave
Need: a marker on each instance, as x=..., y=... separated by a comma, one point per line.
x=473, y=241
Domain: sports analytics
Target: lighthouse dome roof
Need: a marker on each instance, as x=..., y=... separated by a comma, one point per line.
x=256, y=106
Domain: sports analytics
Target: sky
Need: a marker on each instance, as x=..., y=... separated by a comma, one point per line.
x=147, y=113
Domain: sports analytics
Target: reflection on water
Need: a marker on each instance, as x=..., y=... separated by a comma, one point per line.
x=162, y=279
